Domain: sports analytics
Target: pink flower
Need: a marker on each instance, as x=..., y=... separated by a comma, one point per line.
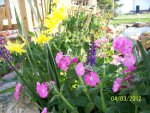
x=123, y=45
x=52, y=82
x=42, y=89
x=64, y=63
x=128, y=77
x=17, y=91
x=97, y=43
x=75, y=60
x=67, y=59
x=116, y=60
x=59, y=56
x=103, y=40
x=44, y=110
x=80, y=69
x=129, y=69
x=102, y=55
x=116, y=85
x=129, y=60
x=91, y=79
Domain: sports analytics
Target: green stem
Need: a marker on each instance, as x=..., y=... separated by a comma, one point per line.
x=53, y=64
x=64, y=99
x=136, y=109
x=86, y=91
x=135, y=94
x=48, y=63
x=104, y=69
x=103, y=99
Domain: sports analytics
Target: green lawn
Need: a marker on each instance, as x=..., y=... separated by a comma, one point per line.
x=122, y=19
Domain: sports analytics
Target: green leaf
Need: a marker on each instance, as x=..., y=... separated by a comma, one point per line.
x=124, y=107
x=89, y=107
x=64, y=111
x=145, y=111
x=144, y=55
x=79, y=90
x=98, y=102
x=79, y=101
x=147, y=91
x=146, y=107
x=32, y=34
x=54, y=97
x=110, y=110
x=11, y=89
x=74, y=111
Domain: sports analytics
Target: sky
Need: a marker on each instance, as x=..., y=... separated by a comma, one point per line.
x=1, y=2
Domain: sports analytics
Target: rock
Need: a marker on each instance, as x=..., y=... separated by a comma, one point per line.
x=120, y=28
x=129, y=25
x=7, y=85
x=9, y=76
x=145, y=40
x=1, y=83
x=139, y=24
x=4, y=97
x=132, y=31
x=135, y=37
x=21, y=107
x=24, y=105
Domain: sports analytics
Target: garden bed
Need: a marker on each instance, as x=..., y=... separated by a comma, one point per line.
x=84, y=67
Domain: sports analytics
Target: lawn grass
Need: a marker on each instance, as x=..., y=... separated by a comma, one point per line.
x=125, y=19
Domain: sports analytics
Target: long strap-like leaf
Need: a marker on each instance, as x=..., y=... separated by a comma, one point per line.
x=146, y=59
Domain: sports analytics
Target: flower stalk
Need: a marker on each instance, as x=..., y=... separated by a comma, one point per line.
x=86, y=91
x=103, y=100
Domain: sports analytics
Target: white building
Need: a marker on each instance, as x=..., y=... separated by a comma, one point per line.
x=130, y=5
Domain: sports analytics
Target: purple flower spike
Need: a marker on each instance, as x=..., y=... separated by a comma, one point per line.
x=91, y=53
x=4, y=53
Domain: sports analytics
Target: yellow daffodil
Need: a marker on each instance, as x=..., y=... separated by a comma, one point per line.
x=55, y=1
x=15, y=47
x=42, y=39
x=54, y=19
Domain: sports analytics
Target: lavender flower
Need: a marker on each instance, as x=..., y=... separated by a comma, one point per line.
x=91, y=53
x=3, y=51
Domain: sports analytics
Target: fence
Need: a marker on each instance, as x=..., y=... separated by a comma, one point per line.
x=27, y=12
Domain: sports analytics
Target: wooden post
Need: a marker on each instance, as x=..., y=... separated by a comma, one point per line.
x=45, y=4
x=26, y=15
x=7, y=7
x=1, y=18
x=113, y=7
x=43, y=9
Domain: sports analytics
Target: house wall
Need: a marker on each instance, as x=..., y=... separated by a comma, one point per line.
x=130, y=5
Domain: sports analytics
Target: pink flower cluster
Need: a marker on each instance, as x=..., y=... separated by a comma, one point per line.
x=124, y=46
x=129, y=62
x=44, y=110
x=101, y=41
x=80, y=69
x=116, y=60
x=17, y=91
x=90, y=78
x=42, y=89
x=63, y=61
x=117, y=85
x=75, y=60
